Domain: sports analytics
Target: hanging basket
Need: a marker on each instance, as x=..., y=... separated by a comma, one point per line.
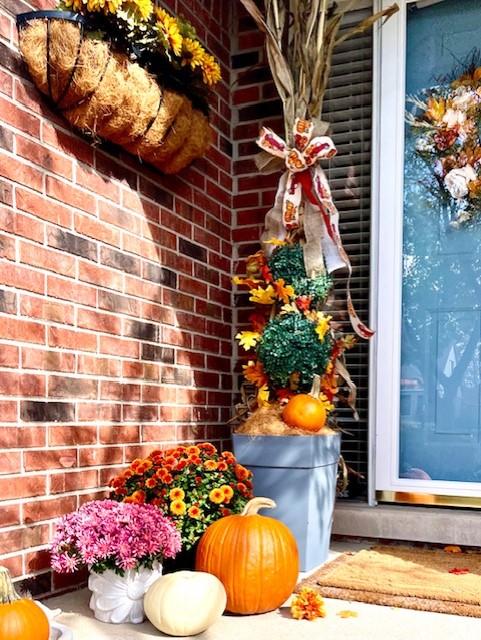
x=105, y=95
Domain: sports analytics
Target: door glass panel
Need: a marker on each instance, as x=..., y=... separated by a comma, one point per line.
x=440, y=435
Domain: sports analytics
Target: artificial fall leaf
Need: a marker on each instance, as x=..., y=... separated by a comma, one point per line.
x=345, y=613
x=248, y=282
x=457, y=571
x=289, y=308
x=266, y=273
x=284, y=292
x=254, y=372
x=257, y=321
x=303, y=302
x=263, y=296
x=294, y=380
x=276, y=242
x=452, y=548
x=255, y=262
x=348, y=342
x=284, y=394
x=436, y=108
x=248, y=339
x=263, y=396
x=322, y=325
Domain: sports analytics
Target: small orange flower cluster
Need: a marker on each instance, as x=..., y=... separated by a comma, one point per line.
x=308, y=605
x=194, y=485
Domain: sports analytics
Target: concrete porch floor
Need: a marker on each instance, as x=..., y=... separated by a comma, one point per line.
x=373, y=622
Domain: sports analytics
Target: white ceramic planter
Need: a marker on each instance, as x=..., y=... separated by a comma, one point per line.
x=118, y=599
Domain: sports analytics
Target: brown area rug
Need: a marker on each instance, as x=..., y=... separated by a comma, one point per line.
x=404, y=577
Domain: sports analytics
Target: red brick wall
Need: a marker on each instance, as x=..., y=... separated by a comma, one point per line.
x=115, y=301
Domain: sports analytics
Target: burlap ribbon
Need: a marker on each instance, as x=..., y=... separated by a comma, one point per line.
x=304, y=191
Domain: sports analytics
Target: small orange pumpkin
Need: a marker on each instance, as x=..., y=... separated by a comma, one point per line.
x=305, y=412
x=20, y=618
x=255, y=558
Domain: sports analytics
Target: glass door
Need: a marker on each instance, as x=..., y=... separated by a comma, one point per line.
x=427, y=393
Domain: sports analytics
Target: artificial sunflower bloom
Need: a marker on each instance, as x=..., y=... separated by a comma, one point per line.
x=192, y=53
x=143, y=8
x=194, y=512
x=74, y=5
x=169, y=33
x=107, y=6
x=210, y=70
x=178, y=507
x=308, y=605
x=217, y=496
x=177, y=494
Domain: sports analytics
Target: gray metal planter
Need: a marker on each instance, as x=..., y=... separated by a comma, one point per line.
x=299, y=473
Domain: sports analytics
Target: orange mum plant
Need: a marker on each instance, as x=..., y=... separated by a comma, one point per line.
x=194, y=485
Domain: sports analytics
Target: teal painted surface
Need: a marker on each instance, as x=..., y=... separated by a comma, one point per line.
x=440, y=427
x=300, y=474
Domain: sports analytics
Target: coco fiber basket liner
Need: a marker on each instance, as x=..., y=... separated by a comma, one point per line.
x=105, y=95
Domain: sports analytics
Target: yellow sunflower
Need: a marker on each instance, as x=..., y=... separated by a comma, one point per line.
x=210, y=70
x=75, y=5
x=169, y=33
x=143, y=8
x=107, y=6
x=192, y=53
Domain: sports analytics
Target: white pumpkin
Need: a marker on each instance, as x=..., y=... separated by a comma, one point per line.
x=185, y=603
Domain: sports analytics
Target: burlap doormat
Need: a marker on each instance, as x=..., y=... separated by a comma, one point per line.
x=427, y=580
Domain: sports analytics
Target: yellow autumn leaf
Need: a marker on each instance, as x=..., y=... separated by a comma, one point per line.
x=248, y=339
x=289, y=308
x=263, y=396
x=345, y=613
x=245, y=281
x=348, y=342
x=263, y=296
x=322, y=325
x=276, y=242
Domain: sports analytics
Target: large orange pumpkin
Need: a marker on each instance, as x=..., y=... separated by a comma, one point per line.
x=305, y=412
x=255, y=558
x=20, y=618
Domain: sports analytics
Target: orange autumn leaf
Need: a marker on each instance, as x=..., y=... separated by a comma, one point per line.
x=458, y=571
x=452, y=548
x=254, y=372
x=345, y=613
x=284, y=292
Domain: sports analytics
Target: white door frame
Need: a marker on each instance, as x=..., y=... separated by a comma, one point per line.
x=386, y=270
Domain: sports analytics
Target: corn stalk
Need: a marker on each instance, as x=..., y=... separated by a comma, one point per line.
x=301, y=36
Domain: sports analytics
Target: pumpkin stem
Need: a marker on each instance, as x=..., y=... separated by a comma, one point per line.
x=7, y=590
x=254, y=505
x=316, y=387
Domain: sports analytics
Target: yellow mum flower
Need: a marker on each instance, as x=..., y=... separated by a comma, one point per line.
x=192, y=53
x=210, y=70
x=217, y=496
x=177, y=494
x=177, y=507
x=263, y=296
x=169, y=32
x=248, y=339
x=228, y=492
x=322, y=325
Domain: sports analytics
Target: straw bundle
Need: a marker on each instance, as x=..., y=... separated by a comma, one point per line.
x=267, y=421
x=107, y=96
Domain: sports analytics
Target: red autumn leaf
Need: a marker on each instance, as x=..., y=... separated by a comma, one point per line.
x=458, y=572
